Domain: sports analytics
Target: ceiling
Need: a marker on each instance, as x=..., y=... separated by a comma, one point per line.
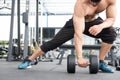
x=46, y=6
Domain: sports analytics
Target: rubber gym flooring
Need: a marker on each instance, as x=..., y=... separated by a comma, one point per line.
x=50, y=71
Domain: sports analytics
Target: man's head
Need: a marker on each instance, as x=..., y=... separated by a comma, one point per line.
x=96, y=1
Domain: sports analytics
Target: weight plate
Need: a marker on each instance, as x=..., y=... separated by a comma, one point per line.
x=94, y=66
x=71, y=64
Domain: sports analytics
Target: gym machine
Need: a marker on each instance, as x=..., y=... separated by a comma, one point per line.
x=10, y=55
x=115, y=52
x=26, y=37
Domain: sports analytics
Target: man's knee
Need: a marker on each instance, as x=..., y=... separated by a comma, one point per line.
x=111, y=36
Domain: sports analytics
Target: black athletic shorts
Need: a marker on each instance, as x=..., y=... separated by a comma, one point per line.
x=107, y=35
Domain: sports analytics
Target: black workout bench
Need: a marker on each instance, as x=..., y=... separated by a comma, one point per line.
x=89, y=47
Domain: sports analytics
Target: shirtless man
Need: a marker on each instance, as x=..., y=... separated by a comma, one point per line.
x=84, y=21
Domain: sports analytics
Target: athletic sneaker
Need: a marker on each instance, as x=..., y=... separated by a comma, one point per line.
x=105, y=68
x=25, y=64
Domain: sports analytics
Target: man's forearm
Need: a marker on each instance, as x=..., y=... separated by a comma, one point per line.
x=107, y=23
x=78, y=46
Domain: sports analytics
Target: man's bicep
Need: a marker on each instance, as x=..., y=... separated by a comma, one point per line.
x=78, y=9
x=111, y=11
x=78, y=17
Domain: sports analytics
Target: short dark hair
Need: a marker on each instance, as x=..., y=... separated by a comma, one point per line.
x=96, y=1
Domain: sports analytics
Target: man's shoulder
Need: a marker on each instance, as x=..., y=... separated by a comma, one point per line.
x=111, y=1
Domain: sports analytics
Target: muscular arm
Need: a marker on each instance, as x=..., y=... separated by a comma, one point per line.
x=110, y=14
x=78, y=36
x=108, y=22
x=79, y=24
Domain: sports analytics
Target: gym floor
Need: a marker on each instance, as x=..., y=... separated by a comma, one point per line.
x=50, y=71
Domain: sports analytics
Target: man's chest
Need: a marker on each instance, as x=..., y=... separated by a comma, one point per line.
x=90, y=10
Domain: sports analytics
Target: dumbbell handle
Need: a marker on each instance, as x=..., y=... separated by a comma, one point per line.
x=77, y=64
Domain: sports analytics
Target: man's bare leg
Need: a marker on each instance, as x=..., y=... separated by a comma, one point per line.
x=37, y=53
x=105, y=48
